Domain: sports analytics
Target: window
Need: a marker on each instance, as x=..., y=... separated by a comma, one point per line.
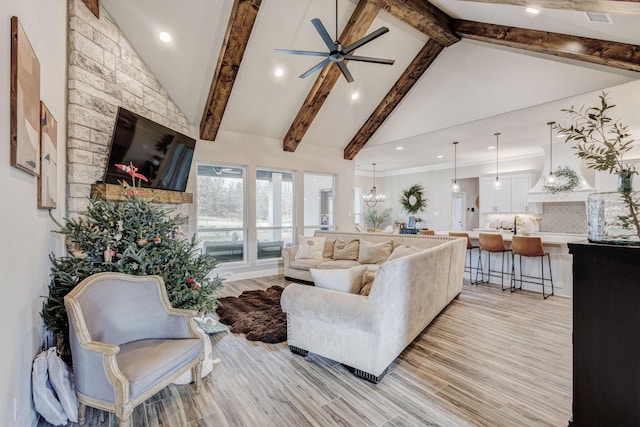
x=274, y=212
x=319, y=196
x=221, y=211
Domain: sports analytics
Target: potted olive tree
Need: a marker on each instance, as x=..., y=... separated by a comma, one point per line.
x=603, y=142
x=376, y=218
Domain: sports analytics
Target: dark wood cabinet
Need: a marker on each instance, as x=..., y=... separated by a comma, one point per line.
x=606, y=335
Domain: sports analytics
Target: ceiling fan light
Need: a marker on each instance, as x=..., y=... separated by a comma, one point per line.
x=337, y=53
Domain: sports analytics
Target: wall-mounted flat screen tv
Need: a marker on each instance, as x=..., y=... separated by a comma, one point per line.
x=160, y=154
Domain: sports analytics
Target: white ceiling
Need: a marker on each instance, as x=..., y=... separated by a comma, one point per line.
x=470, y=92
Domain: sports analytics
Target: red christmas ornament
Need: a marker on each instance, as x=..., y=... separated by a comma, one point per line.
x=190, y=280
x=196, y=286
x=157, y=239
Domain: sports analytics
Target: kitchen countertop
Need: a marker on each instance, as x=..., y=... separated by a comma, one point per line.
x=555, y=239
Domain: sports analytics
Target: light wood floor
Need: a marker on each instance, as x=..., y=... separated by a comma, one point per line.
x=491, y=359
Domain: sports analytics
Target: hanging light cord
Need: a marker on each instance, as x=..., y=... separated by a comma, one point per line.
x=551, y=147
x=336, y=21
x=497, y=146
x=455, y=162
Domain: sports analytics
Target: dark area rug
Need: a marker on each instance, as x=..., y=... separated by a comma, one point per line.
x=257, y=314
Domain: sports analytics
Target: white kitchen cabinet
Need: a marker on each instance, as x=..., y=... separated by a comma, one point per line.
x=487, y=195
x=511, y=197
x=520, y=185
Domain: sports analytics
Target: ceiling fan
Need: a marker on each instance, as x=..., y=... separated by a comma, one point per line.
x=337, y=53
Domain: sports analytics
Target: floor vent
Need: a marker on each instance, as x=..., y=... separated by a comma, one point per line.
x=601, y=18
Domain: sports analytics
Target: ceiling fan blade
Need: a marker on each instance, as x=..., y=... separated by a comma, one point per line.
x=366, y=39
x=369, y=59
x=301, y=52
x=315, y=68
x=324, y=34
x=345, y=71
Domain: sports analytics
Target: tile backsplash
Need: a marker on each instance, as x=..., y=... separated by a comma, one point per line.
x=564, y=217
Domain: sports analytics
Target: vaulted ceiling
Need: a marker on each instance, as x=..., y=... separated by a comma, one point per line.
x=463, y=71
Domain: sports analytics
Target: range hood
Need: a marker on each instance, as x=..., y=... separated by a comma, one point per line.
x=563, y=155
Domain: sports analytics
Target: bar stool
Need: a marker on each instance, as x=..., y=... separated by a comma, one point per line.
x=530, y=247
x=492, y=243
x=470, y=247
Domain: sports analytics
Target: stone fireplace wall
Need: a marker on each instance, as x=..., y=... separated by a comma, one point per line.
x=105, y=72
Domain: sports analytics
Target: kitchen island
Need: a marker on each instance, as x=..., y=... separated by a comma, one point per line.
x=554, y=243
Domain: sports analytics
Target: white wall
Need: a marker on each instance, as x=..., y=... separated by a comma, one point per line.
x=25, y=229
x=437, y=185
x=256, y=151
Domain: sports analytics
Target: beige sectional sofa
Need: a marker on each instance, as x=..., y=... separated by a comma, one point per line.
x=367, y=333
x=298, y=269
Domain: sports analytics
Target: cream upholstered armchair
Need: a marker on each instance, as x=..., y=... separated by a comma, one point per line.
x=127, y=342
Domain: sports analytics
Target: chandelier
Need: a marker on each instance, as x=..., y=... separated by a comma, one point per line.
x=372, y=198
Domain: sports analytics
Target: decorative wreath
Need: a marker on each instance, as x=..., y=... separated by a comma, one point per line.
x=413, y=200
x=567, y=180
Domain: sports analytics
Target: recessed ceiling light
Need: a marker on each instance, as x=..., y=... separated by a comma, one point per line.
x=355, y=95
x=399, y=148
x=533, y=10
x=440, y=156
x=165, y=37
x=279, y=72
x=491, y=147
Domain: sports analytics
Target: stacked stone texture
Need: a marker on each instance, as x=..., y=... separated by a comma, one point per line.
x=104, y=73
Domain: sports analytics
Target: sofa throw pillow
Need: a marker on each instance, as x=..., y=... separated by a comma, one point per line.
x=310, y=247
x=328, y=248
x=403, y=250
x=374, y=253
x=339, y=279
x=367, y=281
x=346, y=250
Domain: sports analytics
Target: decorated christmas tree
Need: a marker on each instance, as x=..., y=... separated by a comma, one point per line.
x=135, y=236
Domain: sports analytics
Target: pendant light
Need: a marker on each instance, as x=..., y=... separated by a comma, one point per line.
x=372, y=198
x=551, y=179
x=455, y=187
x=497, y=184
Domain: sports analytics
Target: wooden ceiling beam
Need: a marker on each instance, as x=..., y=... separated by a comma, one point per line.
x=400, y=89
x=616, y=7
x=360, y=21
x=243, y=16
x=94, y=6
x=613, y=54
x=423, y=16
